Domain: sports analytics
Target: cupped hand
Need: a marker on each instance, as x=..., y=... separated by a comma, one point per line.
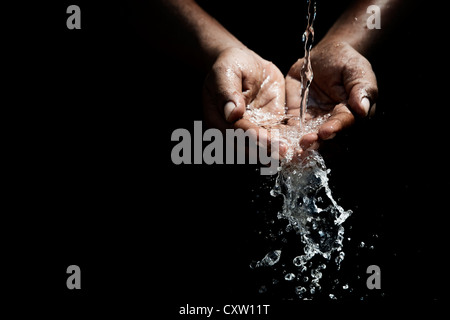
x=344, y=84
x=240, y=86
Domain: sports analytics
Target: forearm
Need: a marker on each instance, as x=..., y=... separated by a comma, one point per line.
x=194, y=33
x=352, y=28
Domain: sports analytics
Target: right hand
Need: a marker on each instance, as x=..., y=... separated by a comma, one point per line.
x=240, y=78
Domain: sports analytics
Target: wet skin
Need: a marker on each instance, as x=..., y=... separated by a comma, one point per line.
x=344, y=85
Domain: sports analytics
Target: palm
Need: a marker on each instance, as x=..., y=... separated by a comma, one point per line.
x=320, y=104
x=328, y=110
x=265, y=103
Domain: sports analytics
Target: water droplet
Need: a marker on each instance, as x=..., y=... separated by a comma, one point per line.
x=270, y=259
x=300, y=290
x=316, y=274
x=289, y=277
x=298, y=261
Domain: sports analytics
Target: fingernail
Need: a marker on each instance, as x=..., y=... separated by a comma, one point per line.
x=365, y=102
x=315, y=146
x=331, y=136
x=278, y=147
x=262, y=138
x=372, y=110
x=282, y=148
x=229, y=107
x=275, y=155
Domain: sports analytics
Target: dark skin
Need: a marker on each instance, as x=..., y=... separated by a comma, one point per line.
x=230, y=87
x=344, y=84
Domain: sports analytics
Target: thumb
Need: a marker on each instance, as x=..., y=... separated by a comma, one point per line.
x=234, y=108
x=362, y=89
x=226, y=88
x=362, y=98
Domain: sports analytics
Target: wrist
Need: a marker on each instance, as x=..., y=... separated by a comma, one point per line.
x=361, y=42
x=212, y=51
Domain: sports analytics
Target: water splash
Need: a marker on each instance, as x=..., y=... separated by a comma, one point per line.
x=308, y=203
x=311, y=211
x=269, y=259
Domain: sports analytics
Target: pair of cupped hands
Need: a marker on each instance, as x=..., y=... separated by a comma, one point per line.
x=344, y=86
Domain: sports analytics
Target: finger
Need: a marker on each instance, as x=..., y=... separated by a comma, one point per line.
x=270, y=93
x=361, y=85
x=309, y=141
x=372, y=110
x=263, y=137
x=293, y=87
x=225, y=87
x=340, y=118
x=293, y=94
x=230, y=111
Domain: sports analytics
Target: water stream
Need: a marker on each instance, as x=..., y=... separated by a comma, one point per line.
x=308, y=203
x=306, y=73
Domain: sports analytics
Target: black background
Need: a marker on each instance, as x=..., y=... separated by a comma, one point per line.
x=93, y=184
